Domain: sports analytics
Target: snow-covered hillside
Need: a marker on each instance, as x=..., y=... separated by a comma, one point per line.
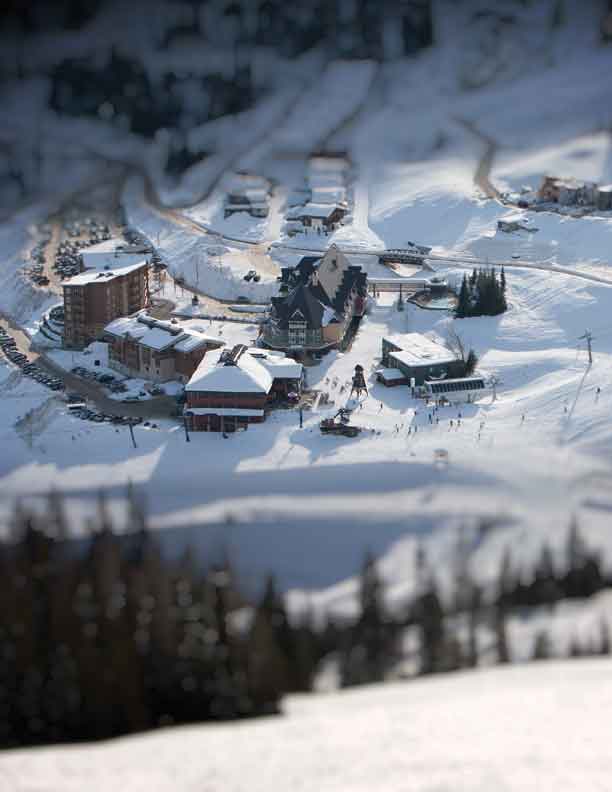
x=517, y=729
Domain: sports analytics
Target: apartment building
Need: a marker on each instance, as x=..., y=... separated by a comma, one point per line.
x=113, y=283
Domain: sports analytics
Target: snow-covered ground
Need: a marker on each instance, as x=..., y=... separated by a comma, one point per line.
x=518, y=729
x=191, y=252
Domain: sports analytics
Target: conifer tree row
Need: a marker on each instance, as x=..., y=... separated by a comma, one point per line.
x=108, y=637
x=482, y=294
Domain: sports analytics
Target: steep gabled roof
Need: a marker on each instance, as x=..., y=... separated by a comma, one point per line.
x=299, y=299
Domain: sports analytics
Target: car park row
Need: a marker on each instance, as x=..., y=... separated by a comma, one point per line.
x=76, y=405
x=110, y=381
x=9, y=347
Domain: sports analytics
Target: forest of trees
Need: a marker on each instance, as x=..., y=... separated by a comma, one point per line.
x=483, y=293
x=103, y=636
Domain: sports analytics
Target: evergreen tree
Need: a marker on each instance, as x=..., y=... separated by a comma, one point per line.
x=473, y=621
x=471, y=363
x=604, y=637
x=370, y=650
x=541, y=648
x=430, y=619
x=545, y=589
x=504, y=588
x=463, y=307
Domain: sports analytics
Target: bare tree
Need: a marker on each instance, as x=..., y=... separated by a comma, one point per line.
x=455, y=343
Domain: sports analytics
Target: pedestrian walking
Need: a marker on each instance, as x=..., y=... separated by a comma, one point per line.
x=380, y=408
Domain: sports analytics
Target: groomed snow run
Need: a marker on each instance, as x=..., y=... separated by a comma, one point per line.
x=521, y=729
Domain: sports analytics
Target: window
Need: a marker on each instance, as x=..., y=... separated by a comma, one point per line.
x=297, y=333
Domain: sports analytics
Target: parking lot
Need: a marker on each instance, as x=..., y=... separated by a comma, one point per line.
x=96, y=405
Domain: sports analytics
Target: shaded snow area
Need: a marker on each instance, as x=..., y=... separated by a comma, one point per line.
x=331, y=100
x=19, y=298
x=517, y=729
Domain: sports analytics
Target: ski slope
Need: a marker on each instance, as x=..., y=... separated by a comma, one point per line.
x=519, y=729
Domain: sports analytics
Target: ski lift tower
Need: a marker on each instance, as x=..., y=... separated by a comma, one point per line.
x=359, y=383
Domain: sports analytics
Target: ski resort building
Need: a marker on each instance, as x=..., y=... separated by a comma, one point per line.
x=235, y=388
x=568, y=192
x=320, y=299
x=160, y=351
x=247, y=193
x=318, y=216
x=114, y=282
x=412, y=359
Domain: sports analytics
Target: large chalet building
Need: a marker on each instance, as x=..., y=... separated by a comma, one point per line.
x=113, y=283
x=230, y=390
x=319, y=300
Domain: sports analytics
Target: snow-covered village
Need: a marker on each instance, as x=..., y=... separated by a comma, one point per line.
x=306, y=384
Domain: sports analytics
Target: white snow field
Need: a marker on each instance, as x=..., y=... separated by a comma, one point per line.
x=519, y=729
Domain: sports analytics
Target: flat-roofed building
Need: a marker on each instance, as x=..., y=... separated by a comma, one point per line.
x=417, y=359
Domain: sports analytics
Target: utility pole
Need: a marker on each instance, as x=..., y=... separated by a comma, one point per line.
x=588, y=337
x=132, y=434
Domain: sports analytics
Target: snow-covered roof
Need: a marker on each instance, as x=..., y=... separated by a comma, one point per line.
x=157, y=334
x=120, y=267
x=390, y=373
x=328, y=194
x=126, y=325
x=277, y=364
x=418, y=350
x=107, y=260
x=329, y=314
x=245, y=375
x=605, y=188
x=311, y=209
